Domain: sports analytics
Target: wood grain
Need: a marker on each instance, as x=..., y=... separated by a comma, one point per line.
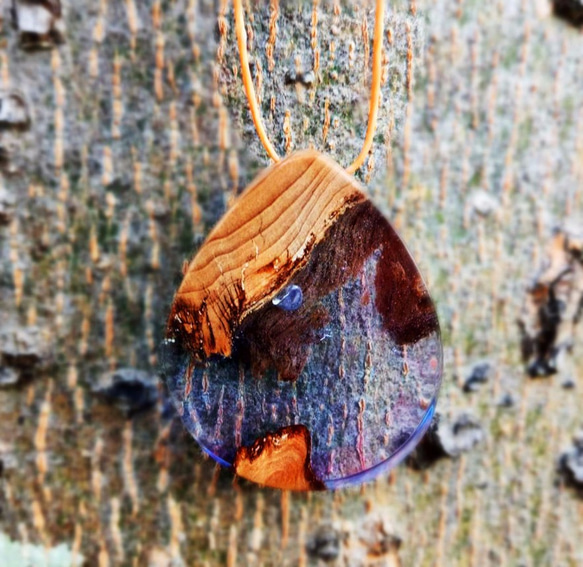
x=472, y=93
x=280, y=459
x=283, y=340
x=257, y=247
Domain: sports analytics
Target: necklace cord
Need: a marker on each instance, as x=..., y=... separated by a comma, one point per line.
x=374, y=91
x=248, y=81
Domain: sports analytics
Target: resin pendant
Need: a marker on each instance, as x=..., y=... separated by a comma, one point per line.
x=302, y=347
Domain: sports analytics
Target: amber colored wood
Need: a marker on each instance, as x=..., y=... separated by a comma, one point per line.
x=256, y=248
x=280, y=460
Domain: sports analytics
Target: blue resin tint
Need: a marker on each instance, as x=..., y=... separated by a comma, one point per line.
x=289, y=299
x=365, y=400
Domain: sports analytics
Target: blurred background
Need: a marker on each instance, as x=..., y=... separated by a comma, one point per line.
x=124, y=136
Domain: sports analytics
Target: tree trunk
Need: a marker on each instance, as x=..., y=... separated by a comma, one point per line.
x=124, y=136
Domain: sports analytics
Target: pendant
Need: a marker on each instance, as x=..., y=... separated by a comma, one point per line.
x=302, y=348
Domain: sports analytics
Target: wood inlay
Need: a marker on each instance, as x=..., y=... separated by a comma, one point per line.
x=303, y=222
x=257, y=247
x=283, y=340
x=280, y=460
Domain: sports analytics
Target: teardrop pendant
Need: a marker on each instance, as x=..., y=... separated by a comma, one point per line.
x=303, y=349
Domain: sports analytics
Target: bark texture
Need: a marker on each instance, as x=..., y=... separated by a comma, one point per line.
x=123, y=136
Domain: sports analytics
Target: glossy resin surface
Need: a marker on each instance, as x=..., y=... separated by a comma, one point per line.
x=302, y=347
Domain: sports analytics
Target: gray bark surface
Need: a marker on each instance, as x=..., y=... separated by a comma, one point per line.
x=122, y=141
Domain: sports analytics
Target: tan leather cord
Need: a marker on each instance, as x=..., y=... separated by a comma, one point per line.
x=375, y=89
x=374, y=92
x=248, y=81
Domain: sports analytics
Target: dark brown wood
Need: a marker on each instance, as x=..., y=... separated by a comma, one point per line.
x=304, y=222
x=282, y=340
x=257, y=247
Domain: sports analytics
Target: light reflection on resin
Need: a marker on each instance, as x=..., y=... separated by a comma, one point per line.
x=365, y=400
x=312, y=360
x=289, y=299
